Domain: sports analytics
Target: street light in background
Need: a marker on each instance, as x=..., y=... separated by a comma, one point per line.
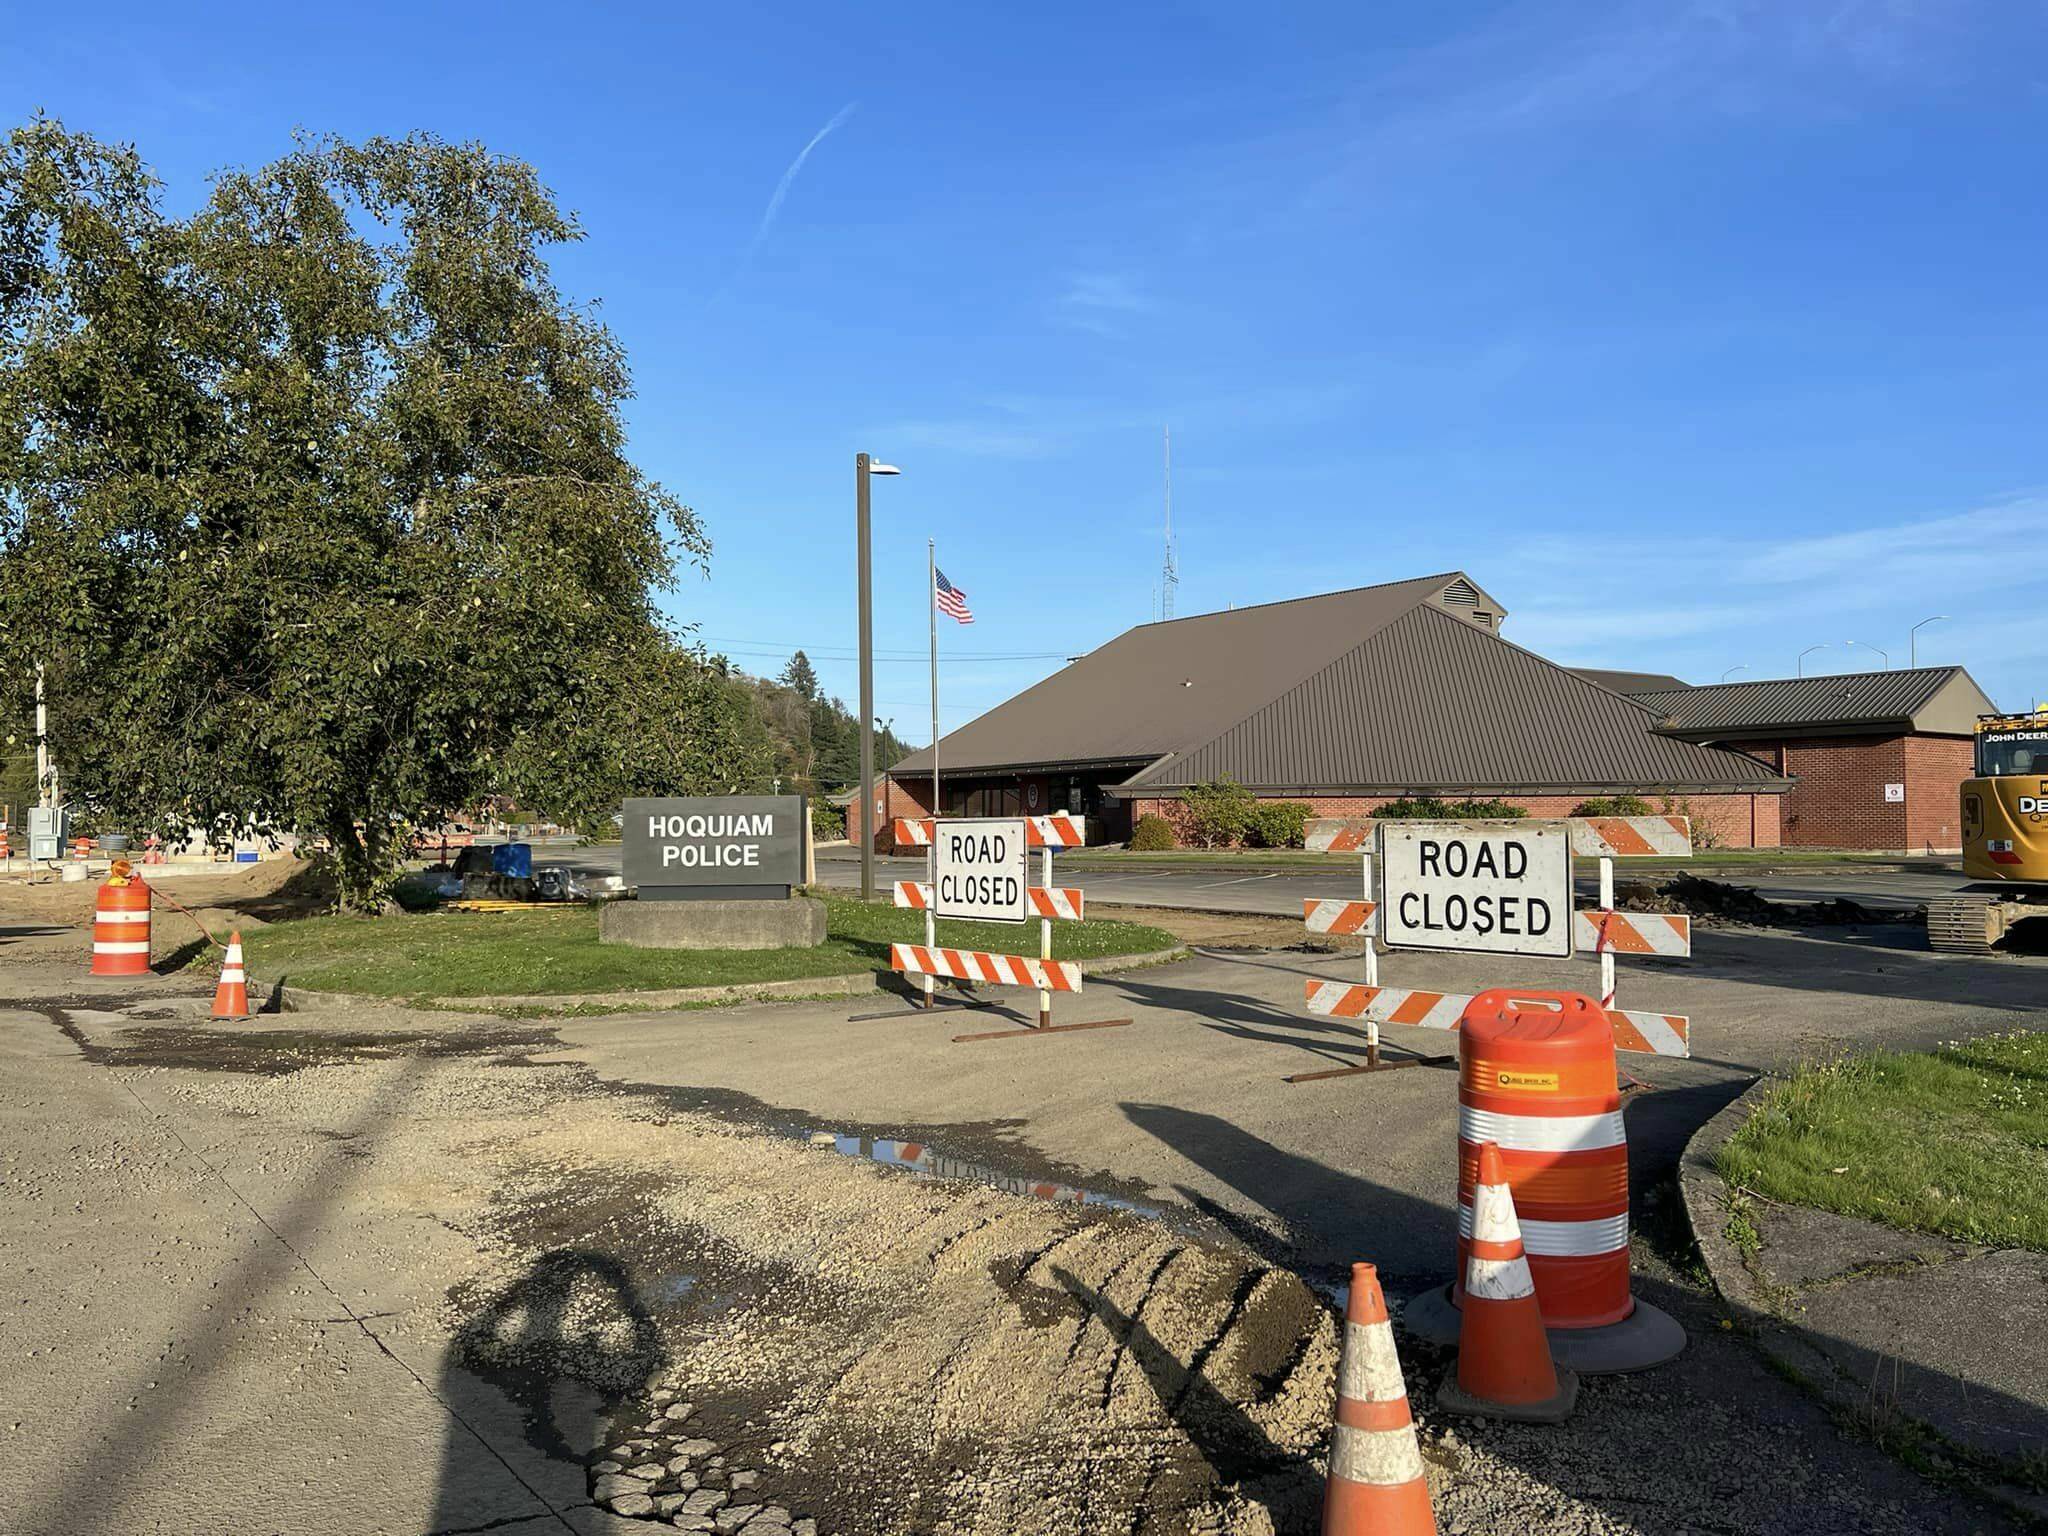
x=1887, y=655
x=1724, y=675
x=1913, y=657
x=863, y=466
x=1799, y=667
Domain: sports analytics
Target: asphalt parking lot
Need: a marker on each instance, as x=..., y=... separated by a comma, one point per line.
x=387, y=1271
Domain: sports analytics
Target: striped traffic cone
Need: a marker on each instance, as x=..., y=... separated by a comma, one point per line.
x=231, y=997
x=1376, y=1484
x=1504, y=1365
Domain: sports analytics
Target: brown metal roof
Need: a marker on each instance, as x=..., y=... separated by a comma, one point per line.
x=1167, y=687
x=1631, y=682
x=1940, y=700
x=1376, y=689
x=1428, y=703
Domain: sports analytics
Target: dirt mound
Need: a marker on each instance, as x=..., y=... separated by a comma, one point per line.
x=893, y=1354
x=1718, y=901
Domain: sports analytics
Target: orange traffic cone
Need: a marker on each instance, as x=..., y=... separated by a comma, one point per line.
x=1376, y=1484
x=1504, y=1365
x=231, y=997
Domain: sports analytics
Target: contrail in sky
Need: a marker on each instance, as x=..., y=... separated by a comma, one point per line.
x=789, y=179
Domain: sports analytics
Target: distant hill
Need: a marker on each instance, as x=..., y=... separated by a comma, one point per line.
x=812, y=742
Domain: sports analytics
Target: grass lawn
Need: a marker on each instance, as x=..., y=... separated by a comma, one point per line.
x=1953, y=1141
x=481, y=954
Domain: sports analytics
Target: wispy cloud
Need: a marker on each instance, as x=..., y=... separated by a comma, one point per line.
x=1701, y=604
x=972, y=439
x=1102, y=301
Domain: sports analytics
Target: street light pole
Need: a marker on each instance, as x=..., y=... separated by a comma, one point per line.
x=1799, y=667
x=1913, y=640
x=864, y=466
x=1887, y=655
x=1724, y=675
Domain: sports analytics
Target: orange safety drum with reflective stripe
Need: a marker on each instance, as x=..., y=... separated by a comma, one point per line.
x=1536, y=1077
x=120, y=926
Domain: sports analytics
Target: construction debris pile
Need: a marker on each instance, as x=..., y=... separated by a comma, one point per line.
x=1716, y=901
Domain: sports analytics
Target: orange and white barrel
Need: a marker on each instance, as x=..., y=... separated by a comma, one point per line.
x=120, y=926
x=1536, y=1077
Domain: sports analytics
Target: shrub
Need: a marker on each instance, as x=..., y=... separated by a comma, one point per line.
x=828, y=822
x=1278, y=824
x=1152, y=834
x=1613, y=805
x=1429, y=808
x=1219, y=812
x=1703, y=835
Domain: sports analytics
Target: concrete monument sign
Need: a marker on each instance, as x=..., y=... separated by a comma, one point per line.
x=714, y=872
x=714, y=847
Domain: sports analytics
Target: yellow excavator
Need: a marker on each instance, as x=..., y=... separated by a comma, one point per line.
x=2005, y=838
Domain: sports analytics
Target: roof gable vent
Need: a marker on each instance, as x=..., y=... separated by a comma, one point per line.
x=1460, y=597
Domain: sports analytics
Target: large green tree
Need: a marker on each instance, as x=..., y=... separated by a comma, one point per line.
x=316, y=503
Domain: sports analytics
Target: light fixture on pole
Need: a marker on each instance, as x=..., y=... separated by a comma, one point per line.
x=1724, y=675
x=1799, y=667
x=1877, y=648
x=864, y=466
x=1913, y=655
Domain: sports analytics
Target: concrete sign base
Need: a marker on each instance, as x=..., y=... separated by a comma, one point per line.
x=797, y=922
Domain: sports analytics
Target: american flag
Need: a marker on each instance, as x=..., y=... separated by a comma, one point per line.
x=951, y=599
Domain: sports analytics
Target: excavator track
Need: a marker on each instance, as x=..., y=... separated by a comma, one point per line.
x=1965, y=924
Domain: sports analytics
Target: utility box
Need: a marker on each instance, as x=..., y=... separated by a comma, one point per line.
x=49, y=826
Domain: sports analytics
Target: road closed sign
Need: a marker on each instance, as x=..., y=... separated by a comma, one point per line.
x=981, y=871
x=1494, y=887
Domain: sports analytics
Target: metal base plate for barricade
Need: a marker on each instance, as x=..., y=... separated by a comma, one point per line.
x=1375, y=1061
x=1030, y=1030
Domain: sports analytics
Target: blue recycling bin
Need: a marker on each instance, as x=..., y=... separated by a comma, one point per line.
x=513, y=860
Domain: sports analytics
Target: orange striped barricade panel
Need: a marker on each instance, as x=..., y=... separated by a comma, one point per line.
x=1631, y=837
x=1388, y=1005
x=1059, y=830
x=1632, y=933
x=1062, y=903
x=1658, y=1034
x=914, y=834
x=1337, y=834
x=977, y=965
x=1329, y=915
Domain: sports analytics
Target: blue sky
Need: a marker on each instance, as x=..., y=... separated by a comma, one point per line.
x=1699, y=334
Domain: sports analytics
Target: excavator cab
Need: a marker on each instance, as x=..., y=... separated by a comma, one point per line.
x=2005, y=838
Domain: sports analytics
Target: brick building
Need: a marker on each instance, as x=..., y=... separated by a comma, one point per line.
x=1876, y=758
x=1344, y=700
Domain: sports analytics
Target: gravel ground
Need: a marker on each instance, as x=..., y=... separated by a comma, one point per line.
x=641, y=1307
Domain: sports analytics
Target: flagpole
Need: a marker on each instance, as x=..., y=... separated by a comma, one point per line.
x=931, y=593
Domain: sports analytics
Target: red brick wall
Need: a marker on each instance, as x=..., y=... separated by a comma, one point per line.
x=1838, y=798
x=1838, y=801
x=1735, y=821
x=1935, y=769
x=897, y=800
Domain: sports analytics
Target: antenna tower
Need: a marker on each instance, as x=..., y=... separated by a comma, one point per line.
x=1169, y=576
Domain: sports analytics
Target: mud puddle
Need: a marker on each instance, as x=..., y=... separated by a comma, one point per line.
x=275, y=1052
x=929, y=1162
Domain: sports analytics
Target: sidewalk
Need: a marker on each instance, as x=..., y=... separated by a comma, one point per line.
x=1934, y=1346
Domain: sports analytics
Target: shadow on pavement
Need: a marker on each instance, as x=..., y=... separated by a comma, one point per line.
x=563, y=1344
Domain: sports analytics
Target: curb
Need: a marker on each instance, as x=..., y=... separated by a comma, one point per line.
x=1783, y=1341
x=1707, y=1201
x=292, y=999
